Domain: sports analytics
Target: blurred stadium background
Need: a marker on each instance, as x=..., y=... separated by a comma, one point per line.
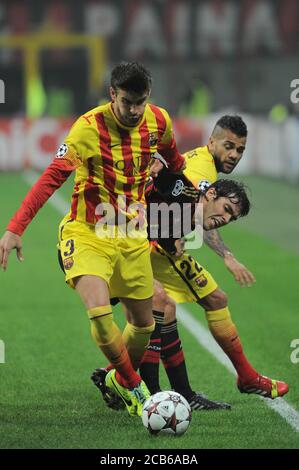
x=207, y=58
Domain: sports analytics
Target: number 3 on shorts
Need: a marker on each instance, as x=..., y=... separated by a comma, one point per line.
x=71, y=245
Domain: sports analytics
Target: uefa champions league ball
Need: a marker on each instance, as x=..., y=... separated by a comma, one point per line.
x=166, y=413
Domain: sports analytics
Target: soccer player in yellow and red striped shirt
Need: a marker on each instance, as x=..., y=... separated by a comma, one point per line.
x=110, y=148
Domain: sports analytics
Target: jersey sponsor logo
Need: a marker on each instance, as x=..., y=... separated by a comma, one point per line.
x=178, y=188
x=62, y=151
x=68, y=263
x=133, y=170
x=203, y=185
x=201, y=280
x=153, y=138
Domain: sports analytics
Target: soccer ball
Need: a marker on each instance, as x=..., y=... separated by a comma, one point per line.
x=166, y=413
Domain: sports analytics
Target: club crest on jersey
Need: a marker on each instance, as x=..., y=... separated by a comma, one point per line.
x=62, y=151
x=178, y=188
x=203, y=185
x=201, y=280
x=153, y=138
x=68, y=263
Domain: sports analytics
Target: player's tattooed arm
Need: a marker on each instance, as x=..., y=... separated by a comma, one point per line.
x=213, y=239
x=241, y=274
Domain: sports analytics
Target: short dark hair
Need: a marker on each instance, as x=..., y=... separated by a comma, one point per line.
x=235, y=191
x=132, y=77
x=233, y=123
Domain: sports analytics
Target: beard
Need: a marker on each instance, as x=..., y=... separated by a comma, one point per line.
x=224, y=167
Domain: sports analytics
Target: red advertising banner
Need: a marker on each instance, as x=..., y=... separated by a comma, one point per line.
x=28, y=143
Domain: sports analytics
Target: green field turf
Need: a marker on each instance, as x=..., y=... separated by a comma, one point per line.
x=46, y=397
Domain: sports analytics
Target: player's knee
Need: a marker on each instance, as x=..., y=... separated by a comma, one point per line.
x=216, y=300
x=93, y=291
x=139, y=313
x=170, y=310
x=159, y=298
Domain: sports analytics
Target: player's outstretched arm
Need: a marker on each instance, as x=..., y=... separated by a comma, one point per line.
x=241, y=274
x=52, y=178
x=8, y=242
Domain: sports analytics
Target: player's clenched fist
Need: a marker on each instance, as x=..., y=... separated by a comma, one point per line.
x=8, y=242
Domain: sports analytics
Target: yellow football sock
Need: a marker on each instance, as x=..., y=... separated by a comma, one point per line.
x=223, y=329
x=109, y=339
x=225, y=333
x=136, y=340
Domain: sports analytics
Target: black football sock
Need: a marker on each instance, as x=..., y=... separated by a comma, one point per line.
x=173, y=359
x=149, y=368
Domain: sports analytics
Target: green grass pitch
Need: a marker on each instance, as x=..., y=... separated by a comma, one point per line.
x=46, y=397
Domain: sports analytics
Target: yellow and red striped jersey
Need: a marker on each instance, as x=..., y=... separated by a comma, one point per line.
x=113, y=159
x=110, y=160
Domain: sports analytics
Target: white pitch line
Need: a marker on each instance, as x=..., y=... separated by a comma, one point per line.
x=201, y=334
x=204, y=337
